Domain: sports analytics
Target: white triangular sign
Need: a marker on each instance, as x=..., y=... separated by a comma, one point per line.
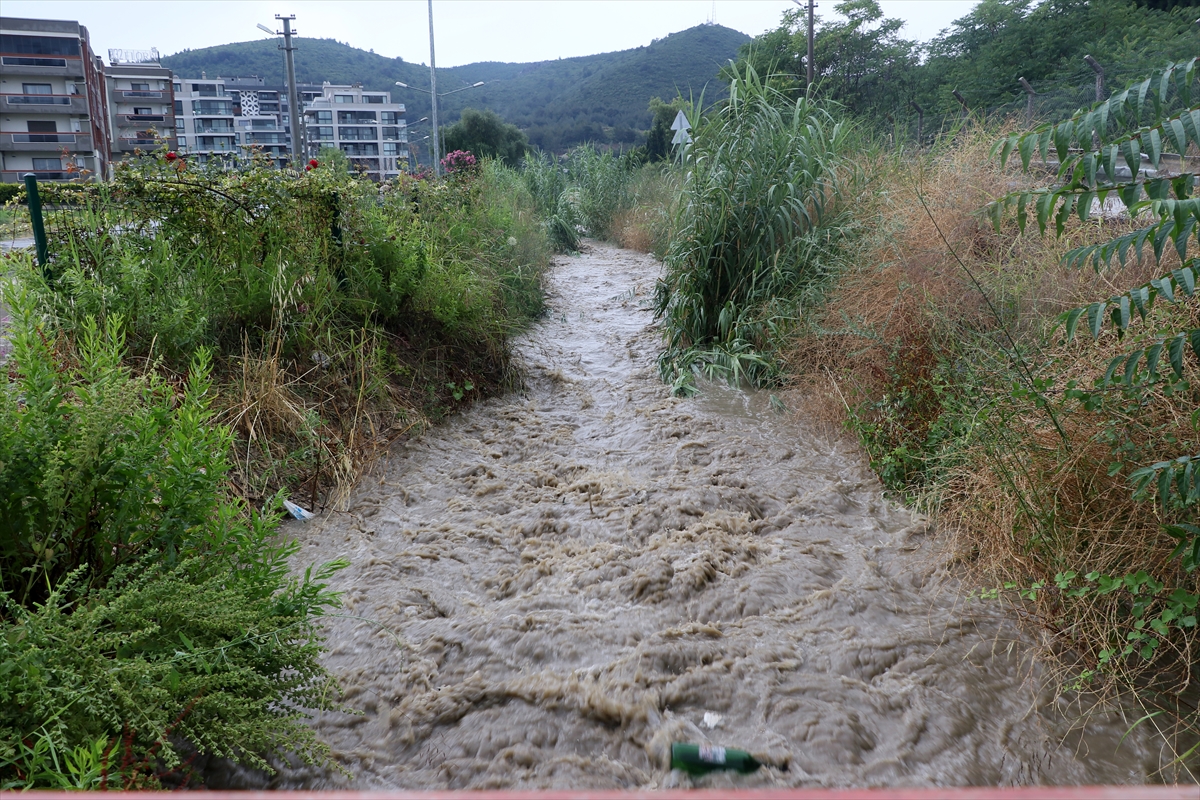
x=681, y=123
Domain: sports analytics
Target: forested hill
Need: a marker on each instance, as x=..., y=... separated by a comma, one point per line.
x=557, y=103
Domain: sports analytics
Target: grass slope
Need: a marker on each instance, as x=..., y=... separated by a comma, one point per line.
x=559, y=103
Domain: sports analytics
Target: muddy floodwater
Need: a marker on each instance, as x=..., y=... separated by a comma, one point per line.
x=551, y=588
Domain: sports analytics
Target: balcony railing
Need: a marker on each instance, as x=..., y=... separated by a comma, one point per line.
x=26, y=61
x=220, y=129
x=39, y=99
x=145, y=117
x=63, y=138
x=140, y=93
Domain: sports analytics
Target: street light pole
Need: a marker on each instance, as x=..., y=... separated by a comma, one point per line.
x=293, y=95
x=433, y=97
x=294, y=110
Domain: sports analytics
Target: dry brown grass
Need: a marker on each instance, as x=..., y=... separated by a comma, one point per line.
x=1023, y=501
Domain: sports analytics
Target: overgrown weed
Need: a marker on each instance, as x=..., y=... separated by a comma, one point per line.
x=961, y=400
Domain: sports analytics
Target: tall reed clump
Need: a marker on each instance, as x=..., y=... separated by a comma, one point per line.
x=340, y=314
x=762, y=213
x=1065, y=470
x=553, y=198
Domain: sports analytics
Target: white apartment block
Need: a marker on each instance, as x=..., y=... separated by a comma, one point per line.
x=204, y=121
x=367, y=126
x=141, y=103
x=53, y=118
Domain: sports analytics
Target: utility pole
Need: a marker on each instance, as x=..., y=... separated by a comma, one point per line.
x=811, y=66
x=437, y=150
x=811, y=70
x=295, y=112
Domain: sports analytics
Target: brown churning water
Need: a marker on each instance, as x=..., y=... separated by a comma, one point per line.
x=552, y=588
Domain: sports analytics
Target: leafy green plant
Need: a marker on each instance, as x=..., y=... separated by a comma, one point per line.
x=761, y=212
x=1090, y=148
x=139, y=604
x=1151, y=118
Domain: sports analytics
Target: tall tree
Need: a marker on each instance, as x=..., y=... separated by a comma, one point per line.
x=485, y=135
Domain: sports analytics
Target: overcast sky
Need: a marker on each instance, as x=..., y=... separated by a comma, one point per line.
x=467, y=30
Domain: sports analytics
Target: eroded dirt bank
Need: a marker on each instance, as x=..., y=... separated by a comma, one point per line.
x=550, y=589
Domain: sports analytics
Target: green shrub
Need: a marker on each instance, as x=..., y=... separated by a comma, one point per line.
x=12, y=191
x=139, y=605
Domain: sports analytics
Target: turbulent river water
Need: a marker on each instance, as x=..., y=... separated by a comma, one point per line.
x=550, y=589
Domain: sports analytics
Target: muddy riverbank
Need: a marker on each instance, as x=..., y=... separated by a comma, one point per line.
x=548, y=590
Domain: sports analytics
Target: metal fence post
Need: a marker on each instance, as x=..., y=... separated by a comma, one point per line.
x=39, y=226
x=1029, y=95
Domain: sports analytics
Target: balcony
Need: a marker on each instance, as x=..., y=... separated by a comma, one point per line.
x=18, y=175
x=45, y=142
x=130, y=144
x=144, y=117
x=141, y=93
x=220, y=130
x=45, y=103
x=64, y=138
x=64, y=67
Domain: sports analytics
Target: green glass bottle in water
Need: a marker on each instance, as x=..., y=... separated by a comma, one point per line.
x=698, y=759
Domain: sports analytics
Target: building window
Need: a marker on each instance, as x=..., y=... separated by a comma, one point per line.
x=343, y=98
x=47, y=164
x=389, y=117
x=325, y=117
x=323, y=132
x=389, y=148
x=39, y=45
x=139, y=87
x=212, y=108
x=364, y=133
x=177, y=87
x=178, y=107
x=373, y=98
x=355, y=117
x=36, y=88
x=42, y=127
x=180, y=126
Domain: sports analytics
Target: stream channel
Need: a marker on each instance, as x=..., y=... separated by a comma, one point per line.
x=549, y=589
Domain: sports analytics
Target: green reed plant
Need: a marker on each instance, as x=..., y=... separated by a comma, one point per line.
x=762, y=210
x=555, y=201
x=601, y=183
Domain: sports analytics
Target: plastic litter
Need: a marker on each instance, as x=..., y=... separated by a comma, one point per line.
x=296, y=511
x=711, y=720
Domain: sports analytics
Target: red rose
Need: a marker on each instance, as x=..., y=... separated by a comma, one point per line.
x=313, y=163
x=308, y=168
x=171, y=155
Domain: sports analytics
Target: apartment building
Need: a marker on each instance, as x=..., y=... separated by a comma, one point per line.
x=260, y=116
x=204, y=119
x=53, y=104
x=141, y=102
x=367, y=126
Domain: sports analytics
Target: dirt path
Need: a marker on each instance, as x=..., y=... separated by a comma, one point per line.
x=550, y=589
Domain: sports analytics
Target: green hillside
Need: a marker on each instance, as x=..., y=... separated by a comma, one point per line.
x=558, y=103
